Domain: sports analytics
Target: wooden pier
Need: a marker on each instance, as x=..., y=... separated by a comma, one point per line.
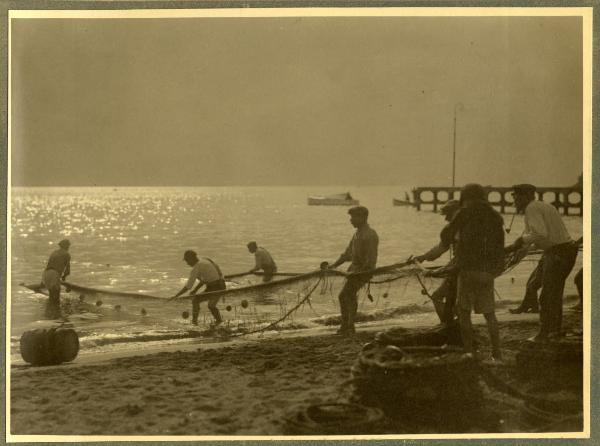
x=565, y=199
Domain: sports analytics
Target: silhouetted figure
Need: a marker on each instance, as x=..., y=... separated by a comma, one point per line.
x=444, y=297
x=263, y=260
x=362, y=252
x=57, y=269
x=480, y=258
x=207, y=273
x=545, y=229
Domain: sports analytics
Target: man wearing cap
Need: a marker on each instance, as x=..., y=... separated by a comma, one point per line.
x=263, y=260
x=207, y=273
x=480, y=258
x=444, y=297
x=57, y=269
x=545, y=229
x=362, y=253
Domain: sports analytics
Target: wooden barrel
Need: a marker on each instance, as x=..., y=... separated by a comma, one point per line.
x=49, y=346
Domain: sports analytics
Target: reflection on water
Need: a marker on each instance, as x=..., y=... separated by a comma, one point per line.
x=133, y=239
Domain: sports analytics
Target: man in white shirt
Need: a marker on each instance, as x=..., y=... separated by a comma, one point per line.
x=207, y=273
x=545, y=230
x=263, y=260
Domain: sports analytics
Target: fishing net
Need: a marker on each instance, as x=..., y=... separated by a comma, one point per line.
x=292, y=299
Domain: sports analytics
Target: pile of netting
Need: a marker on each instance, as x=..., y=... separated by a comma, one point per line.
x=251, y=307
x=419, y=384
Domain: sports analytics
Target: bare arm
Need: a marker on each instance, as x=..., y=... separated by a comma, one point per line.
x=195, y=290
x=67, y=269
x=183, y=290
x=434, y=253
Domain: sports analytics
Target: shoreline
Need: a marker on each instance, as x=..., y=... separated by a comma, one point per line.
x=203, y=343
x=412, y=320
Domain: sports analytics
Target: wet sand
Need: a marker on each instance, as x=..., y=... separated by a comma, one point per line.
x=229, y=389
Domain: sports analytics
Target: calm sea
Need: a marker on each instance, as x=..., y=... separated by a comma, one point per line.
x=133, y=239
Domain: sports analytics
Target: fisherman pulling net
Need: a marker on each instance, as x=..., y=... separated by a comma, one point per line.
x=389, y=288
x=249, y=307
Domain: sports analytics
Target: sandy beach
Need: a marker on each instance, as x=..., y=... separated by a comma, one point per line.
x=221, y=389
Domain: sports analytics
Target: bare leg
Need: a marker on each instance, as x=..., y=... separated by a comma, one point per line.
x=195, y=309
x=466, y=329
x=343, y=311
x=492, y=324
x=212, y=306
x=53, y=305
x=352, y=302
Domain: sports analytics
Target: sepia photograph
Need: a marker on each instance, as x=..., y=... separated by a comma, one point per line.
x=298, y=223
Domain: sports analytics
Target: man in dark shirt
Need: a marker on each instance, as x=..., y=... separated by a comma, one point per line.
x=57, y=269
x=480, y=258
x=444, y=297
x=362, y=253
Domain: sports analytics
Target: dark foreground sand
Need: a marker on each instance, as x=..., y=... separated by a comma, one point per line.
x=240, y=390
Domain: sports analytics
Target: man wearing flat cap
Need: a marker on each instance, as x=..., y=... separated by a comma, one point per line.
x=57, y=269
x=444, y=297
x=362, y=253
x=545, y=230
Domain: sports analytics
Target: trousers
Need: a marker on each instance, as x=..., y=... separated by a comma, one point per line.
x=556, y=263
x=349, y=301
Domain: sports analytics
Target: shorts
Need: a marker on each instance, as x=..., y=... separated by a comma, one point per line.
x=476, y=291
x=51, y=279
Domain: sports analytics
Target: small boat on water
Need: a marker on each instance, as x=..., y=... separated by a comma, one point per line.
x=398, y=202
x=405, y=202
x=333, y=200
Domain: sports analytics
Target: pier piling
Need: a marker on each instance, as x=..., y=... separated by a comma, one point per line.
x=568, y=200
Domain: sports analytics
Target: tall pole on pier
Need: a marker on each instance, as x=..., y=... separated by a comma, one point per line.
x=457, y=106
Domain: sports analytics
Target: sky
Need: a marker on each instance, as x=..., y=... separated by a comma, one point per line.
x=296, y=101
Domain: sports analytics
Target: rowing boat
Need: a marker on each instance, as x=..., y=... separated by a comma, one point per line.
x=333, y=200
x=398, y=202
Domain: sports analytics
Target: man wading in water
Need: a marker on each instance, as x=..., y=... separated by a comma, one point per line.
x=263, y=261
x=207, y=273
x=362, y=252
x=57, y=269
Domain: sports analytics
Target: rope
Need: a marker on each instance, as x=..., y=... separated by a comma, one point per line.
x=394, y=269
x=273, y=324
